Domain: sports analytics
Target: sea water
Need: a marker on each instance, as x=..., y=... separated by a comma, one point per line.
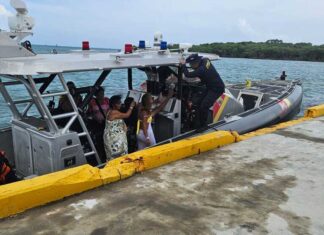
x=232, y=70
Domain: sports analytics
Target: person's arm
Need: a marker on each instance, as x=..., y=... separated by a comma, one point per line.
x=199, y=72
x=78, y=100
x=90, y=107
x=115, y=114
x=163, y=104
x=60, y=101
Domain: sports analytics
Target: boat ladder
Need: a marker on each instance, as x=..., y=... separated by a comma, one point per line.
x=37, y=97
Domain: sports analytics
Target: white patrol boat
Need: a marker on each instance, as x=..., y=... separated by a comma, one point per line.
x=41, y=143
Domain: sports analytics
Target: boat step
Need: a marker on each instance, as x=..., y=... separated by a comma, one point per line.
x=82, y=134
x=55, y=94
x=89, y=153
x=64, y=115
x=23, y=101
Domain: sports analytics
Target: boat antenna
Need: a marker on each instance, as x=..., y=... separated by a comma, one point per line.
x=21, y=24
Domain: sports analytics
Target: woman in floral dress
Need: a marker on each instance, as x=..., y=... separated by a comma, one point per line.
x=115, y=138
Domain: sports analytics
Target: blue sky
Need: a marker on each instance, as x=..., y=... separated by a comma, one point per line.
x=111, y=23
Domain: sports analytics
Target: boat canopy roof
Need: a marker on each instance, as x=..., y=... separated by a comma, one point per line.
x=16, y=59
x=89, y=61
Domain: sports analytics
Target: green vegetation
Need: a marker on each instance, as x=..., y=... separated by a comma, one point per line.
x=271, y=49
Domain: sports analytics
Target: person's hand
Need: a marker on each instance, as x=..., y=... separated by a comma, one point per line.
x=148, y=142
x=132, y=105
x=182, y=61
x=170, y=93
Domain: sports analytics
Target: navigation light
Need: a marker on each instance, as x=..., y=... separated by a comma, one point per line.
x=163, y=45
x=128, y=48
x=141, y=44
x=85, y=45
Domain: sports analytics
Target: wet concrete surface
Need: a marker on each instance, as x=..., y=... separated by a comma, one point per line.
x=271, y=184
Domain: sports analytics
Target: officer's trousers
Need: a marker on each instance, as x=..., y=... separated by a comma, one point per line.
x=207, y=101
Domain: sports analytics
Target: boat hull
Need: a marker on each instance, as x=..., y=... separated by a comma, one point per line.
x=283, y=108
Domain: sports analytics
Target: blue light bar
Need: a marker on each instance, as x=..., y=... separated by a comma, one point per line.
x=141, y=44
x=164, y=45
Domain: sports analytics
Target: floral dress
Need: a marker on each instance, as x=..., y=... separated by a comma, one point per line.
x=115, y=138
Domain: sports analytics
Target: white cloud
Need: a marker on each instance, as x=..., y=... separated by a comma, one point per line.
x=245, y=27
x=4, y=13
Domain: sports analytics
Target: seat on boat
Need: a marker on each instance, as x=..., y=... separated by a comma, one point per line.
x=225, y=106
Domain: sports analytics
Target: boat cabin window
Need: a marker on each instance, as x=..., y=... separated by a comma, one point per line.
x=136, y=95
x=250, y=99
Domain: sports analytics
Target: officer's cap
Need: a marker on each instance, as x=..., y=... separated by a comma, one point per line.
x=193, y=58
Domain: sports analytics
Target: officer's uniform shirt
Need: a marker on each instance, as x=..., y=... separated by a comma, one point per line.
x=208, y=75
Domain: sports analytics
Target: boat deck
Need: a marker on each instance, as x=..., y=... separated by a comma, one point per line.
x=272, y=183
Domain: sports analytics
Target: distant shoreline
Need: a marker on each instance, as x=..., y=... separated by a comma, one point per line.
x=269, y=50
x=272, y=49
x=227, y=57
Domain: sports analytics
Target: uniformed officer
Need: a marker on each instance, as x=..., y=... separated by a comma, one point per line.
x=206, y=72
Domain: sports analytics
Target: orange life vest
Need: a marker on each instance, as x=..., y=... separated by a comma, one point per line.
x=4, y=167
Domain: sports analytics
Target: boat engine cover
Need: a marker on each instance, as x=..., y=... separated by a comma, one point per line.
x=225, y=106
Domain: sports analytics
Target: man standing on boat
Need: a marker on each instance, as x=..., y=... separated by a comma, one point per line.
x=206, y=72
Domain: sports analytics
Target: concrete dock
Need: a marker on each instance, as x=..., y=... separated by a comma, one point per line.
x=270, y=184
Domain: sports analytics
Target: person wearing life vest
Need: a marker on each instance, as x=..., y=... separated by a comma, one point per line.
x=6, y=173
x=206, y=72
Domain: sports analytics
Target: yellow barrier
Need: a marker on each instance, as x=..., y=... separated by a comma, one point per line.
x=161, y=155
x=316, y=111
x=23, y=195
x=20, y=196
x=111, y=174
